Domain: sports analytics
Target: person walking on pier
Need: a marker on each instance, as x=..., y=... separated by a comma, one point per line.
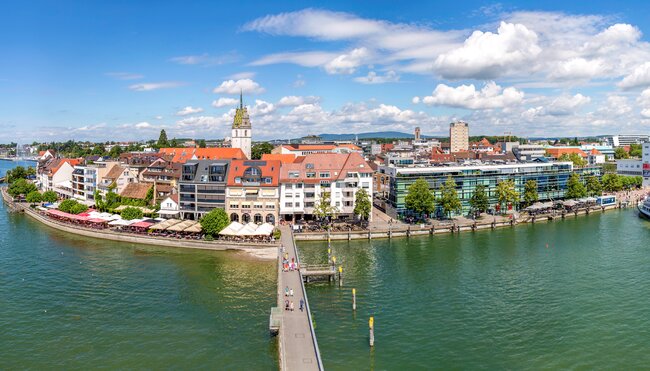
x=291, y=306
x=290, y=292
x=286, y=291
x=302, y=304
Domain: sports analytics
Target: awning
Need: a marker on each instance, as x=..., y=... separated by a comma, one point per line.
x=251, y=191
x=196, y=228
x=121, y=222
x=182, y=226
x=142, y=225
x=231, y=229
x=64, y=184
x=166, y=224
x=168, y=212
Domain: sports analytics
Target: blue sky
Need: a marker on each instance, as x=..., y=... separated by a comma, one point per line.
x=120, y=71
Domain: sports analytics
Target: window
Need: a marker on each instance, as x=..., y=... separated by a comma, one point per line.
x=309, y=166
x=299, y=185
x=311, y=174
x=324, y=175
x=294, y=174
x=288, y=204
x=238, y=180
x=297, y=204
x=309, y=204
x=234, y=206
x=245, y=206
x=270, y=206
x=289, y=195
x=338, y=203
x=267, y=180
x=309, y=194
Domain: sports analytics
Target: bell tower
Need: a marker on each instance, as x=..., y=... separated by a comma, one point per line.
x=241, y=129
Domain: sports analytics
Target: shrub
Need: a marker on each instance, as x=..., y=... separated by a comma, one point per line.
x=66, y=205
x=78, y=208
x=34, y=197
x=131, y=213
x=277, y=234
x=21, y=186
x=50, y=196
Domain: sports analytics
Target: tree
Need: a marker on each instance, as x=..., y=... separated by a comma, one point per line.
x=323, y=208
x=574, y=187
x=506, y=192
x=362, y=204
x=34, y=197
x=594, y=188
x=419, y=198
x=66, y=205
x=21, y=187
x=174, y=143
x=530, y=192
x=620, y=153
x=50, y=196
x=259, y=149
x=131, y=213
x=78, y=208
x=612, y=183
x=202, y=143
x=214, y=222
x=162, y=139
x=16, y=173
x=636, y=150
x=99, y=150
x=115, y=151
x=479, y=200
x=449, y=200
x=577, y=160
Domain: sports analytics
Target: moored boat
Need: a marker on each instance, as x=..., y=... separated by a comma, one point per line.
x=644, y=208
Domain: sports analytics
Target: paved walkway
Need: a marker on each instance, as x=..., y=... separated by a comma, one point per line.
x=298, y=345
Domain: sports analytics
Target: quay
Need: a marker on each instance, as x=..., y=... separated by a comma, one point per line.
x=297, y=344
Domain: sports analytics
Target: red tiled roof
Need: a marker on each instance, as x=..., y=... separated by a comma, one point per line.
x=557, y=152
x=183, y=155
x=136, y=190
x=283, y=158
x=336, y=164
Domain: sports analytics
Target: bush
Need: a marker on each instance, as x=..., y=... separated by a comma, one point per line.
x=34, y=197
x=209, y=238
x=277, y=234
x=78, y=208
x=131, y=213
x=50, y=196
x=214, y=222
x=67, y=205
x=21, y=187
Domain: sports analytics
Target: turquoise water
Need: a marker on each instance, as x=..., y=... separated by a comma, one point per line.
x=68, y=302
x=492, y=299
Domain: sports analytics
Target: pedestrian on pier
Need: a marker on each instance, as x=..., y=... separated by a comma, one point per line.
x=290, y=292
x=286, y=305
x=291, y=306
x=286, y=291
x=302, y=304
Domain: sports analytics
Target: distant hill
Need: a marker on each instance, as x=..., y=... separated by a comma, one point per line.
x=377, y=134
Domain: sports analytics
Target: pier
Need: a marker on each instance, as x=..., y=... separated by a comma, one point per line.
x=298, y=347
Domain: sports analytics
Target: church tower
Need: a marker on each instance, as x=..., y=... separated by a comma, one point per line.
x=241, y=129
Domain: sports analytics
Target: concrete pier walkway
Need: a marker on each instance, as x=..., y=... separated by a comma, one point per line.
x=297, y=339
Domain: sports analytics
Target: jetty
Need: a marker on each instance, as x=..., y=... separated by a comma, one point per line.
x=298, y=348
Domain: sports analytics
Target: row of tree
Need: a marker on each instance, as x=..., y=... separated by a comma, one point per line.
x=422, y=201
x=19, y=172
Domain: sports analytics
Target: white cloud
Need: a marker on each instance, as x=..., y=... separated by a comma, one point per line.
x=206, y=59
x=225, y=102
x=644, y=102
x=374, y=78
x=124, y=75
x=638, y=78
x=246, y=86
x=261, y=108
x=466, y=96
x=415, y=100
x=300, y=82
x=305, y=59
x=292, y=100
x=143, y=125
x=347, y=63
x=577, y=68
x=486, y=55
x=563, y=105
x=189, y=110
x=156, y=86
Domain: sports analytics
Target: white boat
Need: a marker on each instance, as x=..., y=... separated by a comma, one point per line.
x=644, y=208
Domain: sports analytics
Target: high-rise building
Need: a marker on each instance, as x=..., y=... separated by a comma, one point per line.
x=417, y=133
x=241, y=129
x=458, y=137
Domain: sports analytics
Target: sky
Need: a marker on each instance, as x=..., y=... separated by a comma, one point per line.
x=122, y=70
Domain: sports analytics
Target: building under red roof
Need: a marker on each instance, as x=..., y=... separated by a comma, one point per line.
x=261, y=173
x=183, y=155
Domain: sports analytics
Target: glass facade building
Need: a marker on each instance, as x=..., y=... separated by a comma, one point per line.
x=551, y=180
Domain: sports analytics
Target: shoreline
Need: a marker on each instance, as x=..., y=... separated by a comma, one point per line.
x=269, y=252
x=261, y=252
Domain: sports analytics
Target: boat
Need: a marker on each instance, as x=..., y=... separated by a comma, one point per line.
x=644, y=208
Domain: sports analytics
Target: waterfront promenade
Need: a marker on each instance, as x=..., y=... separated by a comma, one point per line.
x=297, y=340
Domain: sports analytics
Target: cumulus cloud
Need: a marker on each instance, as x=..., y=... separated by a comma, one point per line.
x=578, y=68
x=415, y=100
x=486, y=55
x=143, y=125
x=374, y=78
x=638, y=78
x=156, y=85
x=466, y=96
x=644, y=101
x=262, y=108
x=189, y=110
x=348, y=63
x=225, y=102
x=563, y=105
x=293, y=100
x=246, y=86
x=242, y=75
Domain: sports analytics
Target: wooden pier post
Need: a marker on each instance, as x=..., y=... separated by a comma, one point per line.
x=371, y=324
x=354, y=299
x=340, y=276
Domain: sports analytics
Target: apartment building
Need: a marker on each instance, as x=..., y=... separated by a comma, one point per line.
x=85, y=180
x=202, y=187
x=252, y=193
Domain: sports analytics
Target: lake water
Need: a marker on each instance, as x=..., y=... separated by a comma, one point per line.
x=571, y=294
x=68, y=302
